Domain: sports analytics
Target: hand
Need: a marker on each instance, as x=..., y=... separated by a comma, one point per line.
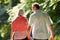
x=51, y=38
x=29, y=38
x=11, y=39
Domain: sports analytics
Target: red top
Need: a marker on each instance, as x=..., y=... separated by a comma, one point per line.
x=19, y=24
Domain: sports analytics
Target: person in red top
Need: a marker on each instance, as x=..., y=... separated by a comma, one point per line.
x=19, y=27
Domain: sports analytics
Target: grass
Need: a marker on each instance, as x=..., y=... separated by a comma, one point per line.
x=57, y=37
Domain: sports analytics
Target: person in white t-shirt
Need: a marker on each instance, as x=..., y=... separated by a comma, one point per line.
x=41, y=24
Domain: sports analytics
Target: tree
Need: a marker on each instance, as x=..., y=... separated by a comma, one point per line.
x=10, y=8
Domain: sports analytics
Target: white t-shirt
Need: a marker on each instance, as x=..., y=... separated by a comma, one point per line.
x=40, y=22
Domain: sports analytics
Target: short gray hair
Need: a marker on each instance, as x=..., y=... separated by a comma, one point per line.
x=21, y=11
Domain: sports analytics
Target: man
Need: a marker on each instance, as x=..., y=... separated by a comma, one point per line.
x=19, y=27
x=40, y=24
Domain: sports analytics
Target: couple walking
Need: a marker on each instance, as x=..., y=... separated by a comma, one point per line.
x=39, y=24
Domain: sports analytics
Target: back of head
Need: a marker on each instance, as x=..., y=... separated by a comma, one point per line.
x=36, y=5
x=21, y=12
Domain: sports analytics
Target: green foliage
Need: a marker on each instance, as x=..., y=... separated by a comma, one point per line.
x=5, y=32
x=15, y=2
x=9, y=10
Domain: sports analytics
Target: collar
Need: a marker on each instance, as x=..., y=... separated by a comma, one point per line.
x=36, y=11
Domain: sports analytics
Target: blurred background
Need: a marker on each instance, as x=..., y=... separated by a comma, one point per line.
x=9, y=10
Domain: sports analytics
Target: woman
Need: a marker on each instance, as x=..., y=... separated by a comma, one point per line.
x=19, y=27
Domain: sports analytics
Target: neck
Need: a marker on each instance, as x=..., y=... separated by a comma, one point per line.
x=36, y=10
x=22, y=15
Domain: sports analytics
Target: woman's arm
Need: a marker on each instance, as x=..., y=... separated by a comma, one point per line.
x=28, y=33
x=12, y=33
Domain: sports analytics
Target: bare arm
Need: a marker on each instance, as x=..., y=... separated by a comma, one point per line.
x=52, y=33
x=28, y=32
x=29, y=28
x=12, y=33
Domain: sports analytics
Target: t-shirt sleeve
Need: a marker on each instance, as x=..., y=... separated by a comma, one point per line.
x=30, y=21
x=12, y=26
x=48, y=20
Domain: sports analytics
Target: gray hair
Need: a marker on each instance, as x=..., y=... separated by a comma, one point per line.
x=21, y=11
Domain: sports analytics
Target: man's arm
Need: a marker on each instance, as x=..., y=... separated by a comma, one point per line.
x=52, y=33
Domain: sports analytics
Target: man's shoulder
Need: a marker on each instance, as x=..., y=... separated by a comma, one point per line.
x=32, y=15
